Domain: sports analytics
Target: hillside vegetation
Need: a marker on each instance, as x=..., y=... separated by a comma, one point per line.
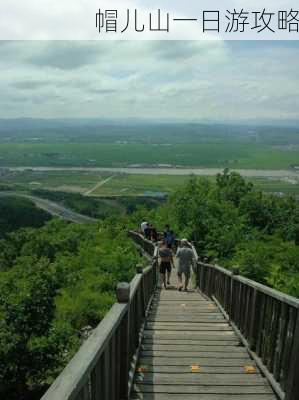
x=54, y=281
x=60, y=277
x=234, y=225
x=16, y=213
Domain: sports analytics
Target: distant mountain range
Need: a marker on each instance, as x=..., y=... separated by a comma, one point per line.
x=37, y=123
x=105, y=130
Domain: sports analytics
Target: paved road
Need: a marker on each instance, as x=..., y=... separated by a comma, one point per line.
x=89, y=191
x=53, y=208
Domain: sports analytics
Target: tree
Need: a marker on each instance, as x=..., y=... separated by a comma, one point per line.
x=232, y=187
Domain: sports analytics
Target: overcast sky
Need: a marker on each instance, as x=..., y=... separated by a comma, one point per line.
x=150, y=80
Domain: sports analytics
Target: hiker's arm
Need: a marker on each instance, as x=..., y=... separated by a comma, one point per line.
x=172, y=261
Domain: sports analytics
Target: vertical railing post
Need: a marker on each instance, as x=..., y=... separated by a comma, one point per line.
x=155, y=271
x=123, y=296
x=292, y=388
x=201, y=278
x=144, y=290
x=254, y=319
x=235, y=272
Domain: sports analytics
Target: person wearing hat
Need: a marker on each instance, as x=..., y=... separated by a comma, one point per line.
x=185, y=257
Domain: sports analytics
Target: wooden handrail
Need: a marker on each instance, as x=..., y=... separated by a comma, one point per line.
x=266, y=320
x=103, y=366
x=292, y=301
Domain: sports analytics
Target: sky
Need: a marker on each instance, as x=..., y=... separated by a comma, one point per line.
x=151, y=80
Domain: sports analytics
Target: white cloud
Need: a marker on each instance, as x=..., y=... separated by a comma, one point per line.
x=169, y=80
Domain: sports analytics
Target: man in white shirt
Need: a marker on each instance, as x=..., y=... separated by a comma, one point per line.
x=143, y=226
x=185, y=258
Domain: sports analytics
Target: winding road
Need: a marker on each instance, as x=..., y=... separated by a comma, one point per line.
x=55, y=209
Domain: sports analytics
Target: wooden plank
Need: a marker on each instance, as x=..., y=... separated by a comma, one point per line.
x=191, y=335
x=189, y=342
x=182, y=309
x=180, y=297
x=192, y=302
x=221, y=362
x=288, y=347
x=84, y=393
x=183, y=315
x=274, y=332
x=292, y=390
x=186, y=369
x=204, y=389
x=118, y=363
x=187, y=325
x=124, y=356
x=201, y=379
x=205, y=318
x=186, y=316
x=196, y=354
x=254, y=321
x=106, y=374
x=182, y=305
x=113, y=370
x=173, y=292
x=170, y=302
x=190, y=327
x=282, y=329
x=176, y=396
x=190, y=348
x=96, y=383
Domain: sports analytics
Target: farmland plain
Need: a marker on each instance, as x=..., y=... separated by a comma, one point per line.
x=162, y=147
x=205, y=155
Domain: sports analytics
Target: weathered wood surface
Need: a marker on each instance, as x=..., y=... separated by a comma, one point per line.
x=189, y=351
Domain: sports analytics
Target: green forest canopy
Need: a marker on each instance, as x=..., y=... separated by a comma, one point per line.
x=234, y=225
x=54, y=281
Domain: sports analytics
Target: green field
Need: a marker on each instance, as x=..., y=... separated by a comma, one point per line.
x=120, y=184
x=150, y=185
x=226, y=153
x=275, y=186
x=69, y=181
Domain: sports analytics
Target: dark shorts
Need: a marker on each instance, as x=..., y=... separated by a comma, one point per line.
x=165, y=266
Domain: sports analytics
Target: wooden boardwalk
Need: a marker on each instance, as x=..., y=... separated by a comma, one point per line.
x=190, y=352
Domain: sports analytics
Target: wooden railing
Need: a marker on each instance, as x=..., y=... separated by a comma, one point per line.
x=266, y=320
x=147, y=245
x=104, y=366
